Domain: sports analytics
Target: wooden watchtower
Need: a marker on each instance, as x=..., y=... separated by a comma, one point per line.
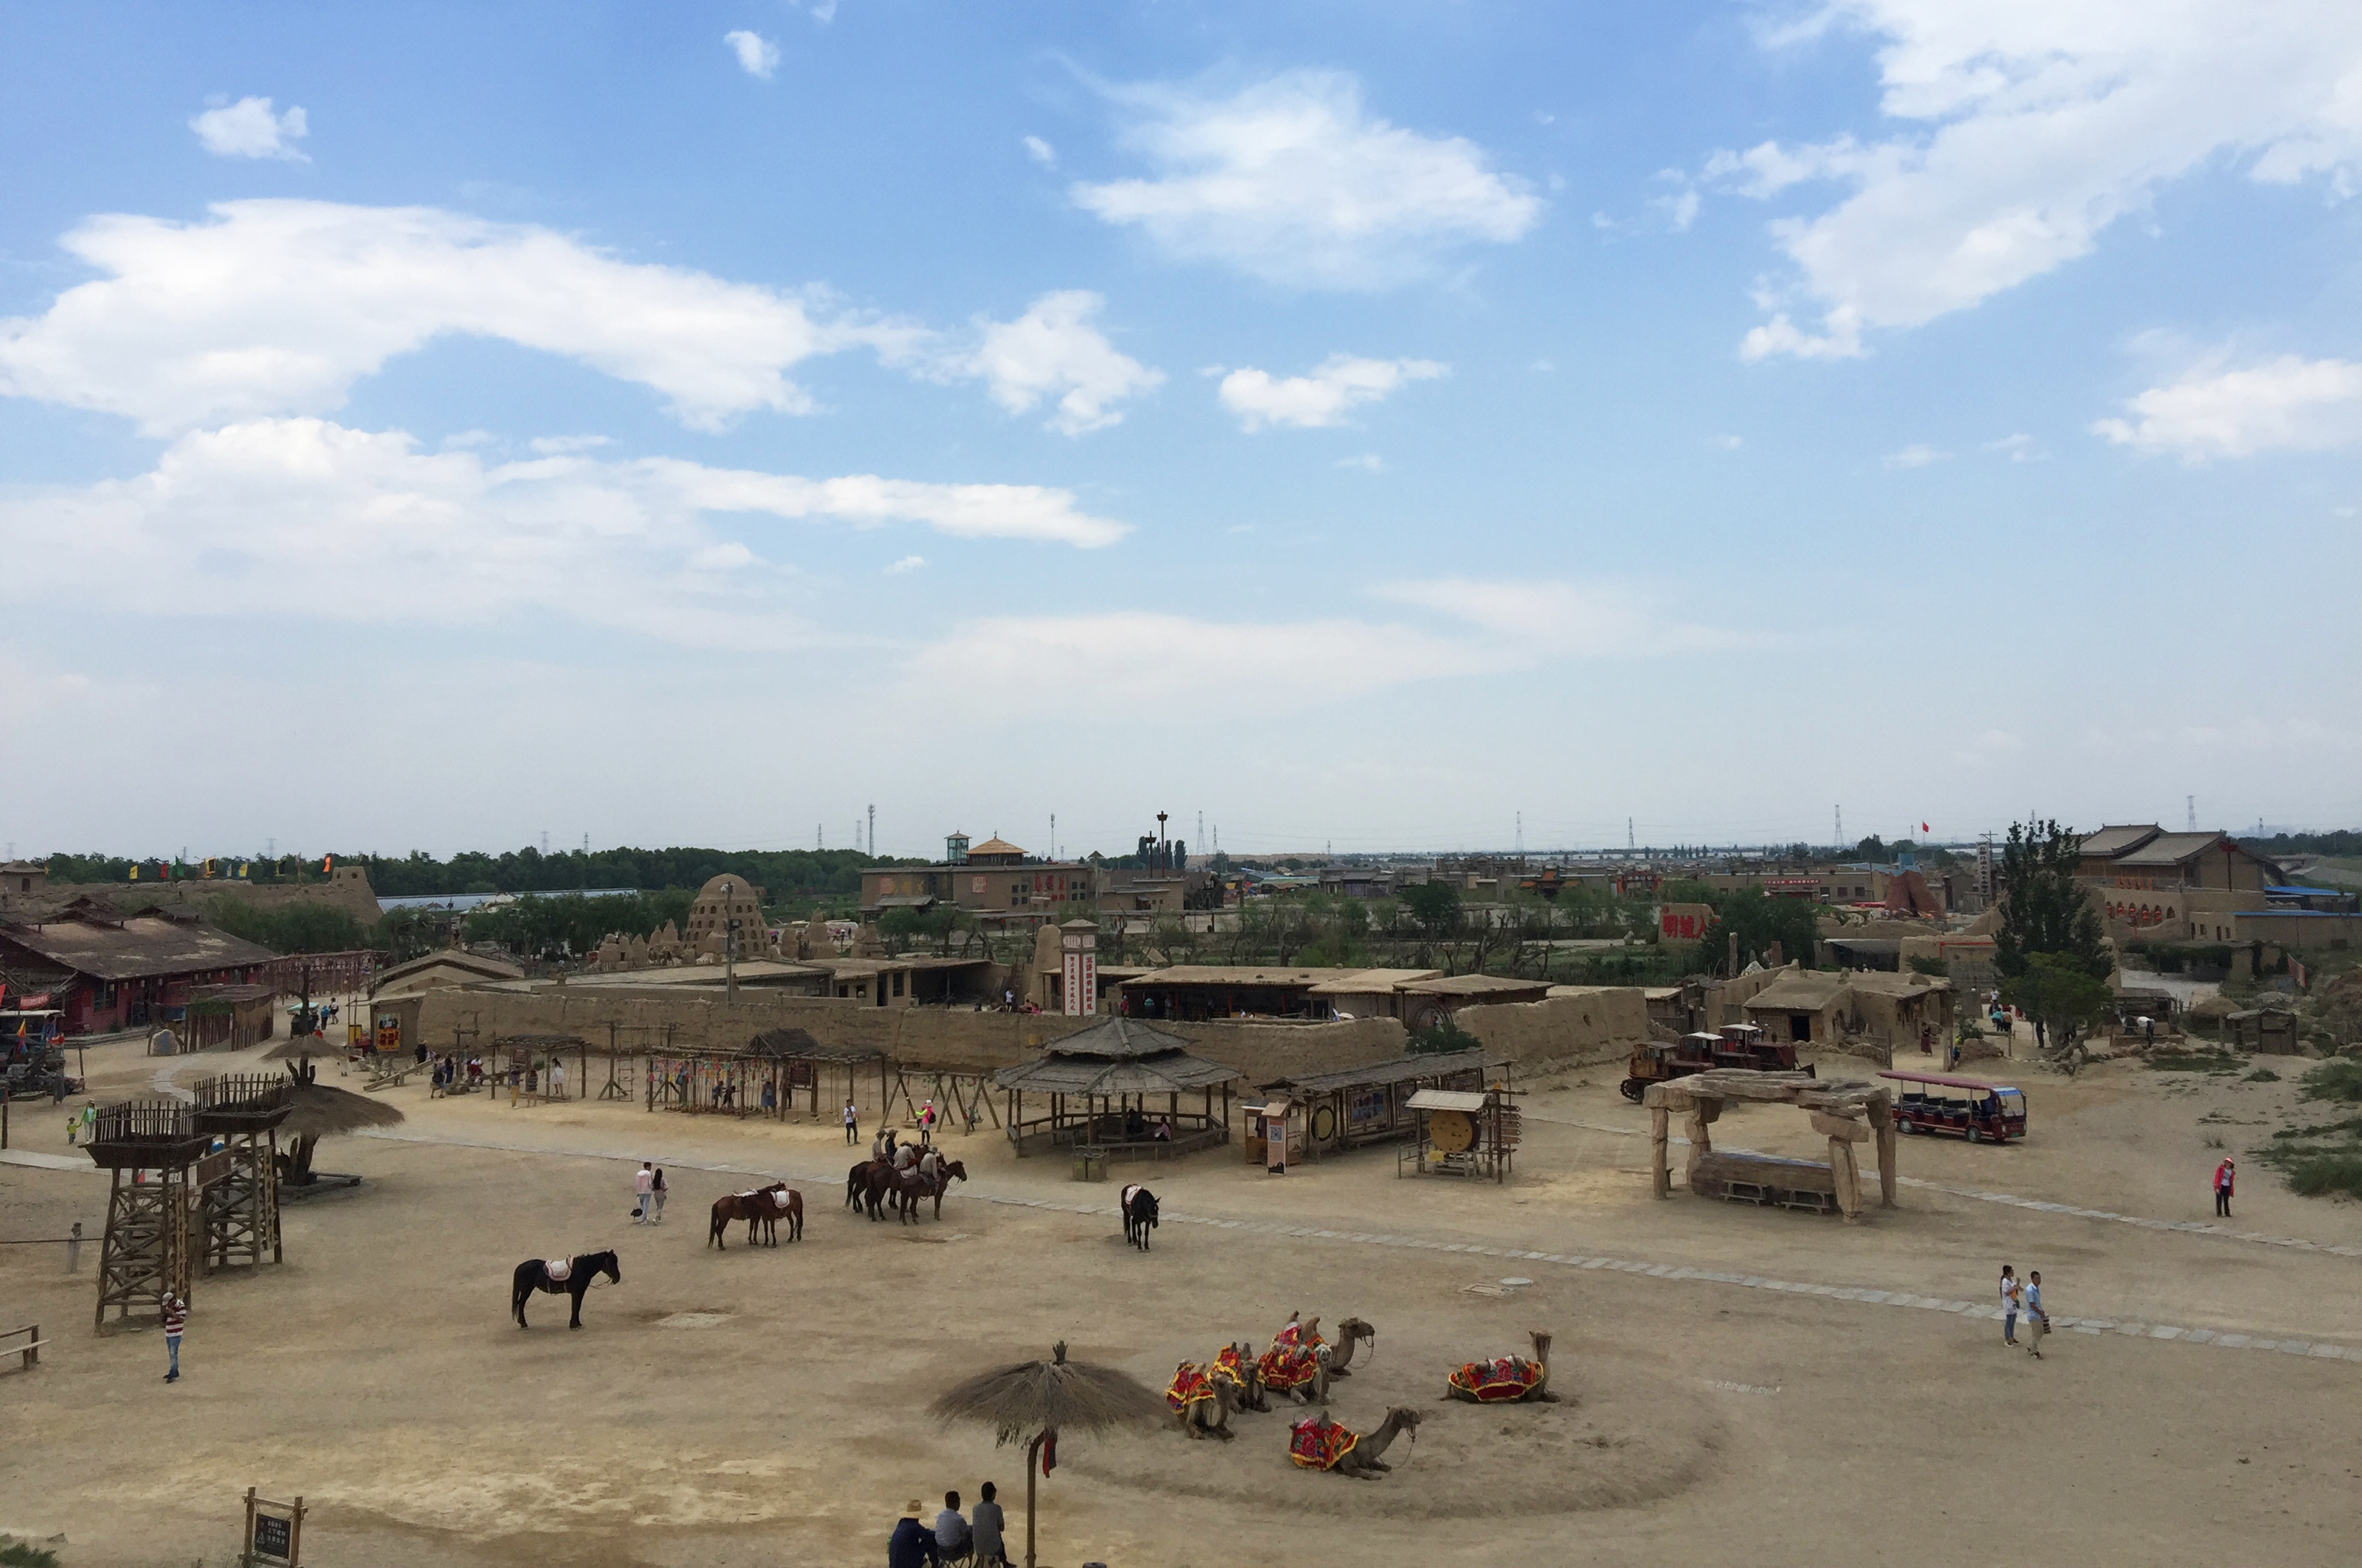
x=149, y=1148
x=239, y=1185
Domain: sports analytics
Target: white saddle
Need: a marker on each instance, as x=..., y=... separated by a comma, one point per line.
x=780, y=1197
x=559, y=1270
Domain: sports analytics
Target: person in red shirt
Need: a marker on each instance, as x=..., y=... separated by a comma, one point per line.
x=2224, y=1174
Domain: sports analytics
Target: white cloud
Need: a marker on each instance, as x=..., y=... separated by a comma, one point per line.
x=2028, y=129
x=1291, y=181
x=907, y=564
x=1040, y=152
x=1341, y=382
x=279, y=306
x=1053, y=351
x=2019, y=448
x=249, y=128
x=314, y=518
x=1730, y=443
x=1915, y=456
x=1118, y=660
x=1563, y=619
x=1368, y=462
x=757, y=56
x=2283, y=404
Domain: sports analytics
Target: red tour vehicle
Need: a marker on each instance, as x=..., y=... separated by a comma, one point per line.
x=1937, y=1103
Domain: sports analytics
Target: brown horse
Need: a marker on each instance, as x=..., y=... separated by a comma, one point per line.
x=763, y=1208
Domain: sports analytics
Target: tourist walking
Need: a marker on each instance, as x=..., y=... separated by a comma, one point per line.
x=643, y=1184
x=176, y=1318
x=912, y=1544
x=2010, y=1301
x=2037, y=1321
x=985, y=1527
x=656, y=1198
x=852, y=1123
x=2225, y=1175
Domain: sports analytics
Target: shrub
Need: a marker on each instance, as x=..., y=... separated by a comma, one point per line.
x=2338, y=1171
x=16, y=1554
x=2340, y=1081
x=2262, y=1075
x=1442, y=1037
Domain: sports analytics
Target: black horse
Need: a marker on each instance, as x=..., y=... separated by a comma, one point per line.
x=534, y=1275
x=1139, y=1215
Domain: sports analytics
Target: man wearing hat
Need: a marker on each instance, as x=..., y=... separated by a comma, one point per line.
x=912, y=1542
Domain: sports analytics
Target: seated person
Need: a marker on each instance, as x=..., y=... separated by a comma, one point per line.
x=912, y=1544
x=1163, y=1129
x=952, y=1534
x=1134, y=1124
x=985, y=1527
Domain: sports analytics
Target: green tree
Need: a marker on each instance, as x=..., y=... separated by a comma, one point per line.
x=1759, y=921
x=2044, y=909
x=2055, y=991
x=1435, y=906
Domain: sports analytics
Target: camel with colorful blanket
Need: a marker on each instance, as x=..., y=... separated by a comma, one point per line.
x=1318, y=1442
x=1235, y=1366
x=1200, y=1402
x=1298, y=1363
x=1506, y=1379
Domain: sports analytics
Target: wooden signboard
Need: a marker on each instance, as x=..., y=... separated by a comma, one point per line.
x=274, y=1533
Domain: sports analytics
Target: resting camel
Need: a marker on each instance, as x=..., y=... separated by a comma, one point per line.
x=1350, y=1332
x=572, y=1278
x=1202, y=1404
x=1506, y=1379
x=1234, y=1365
x=1319, y=1444
x=1298, y=1361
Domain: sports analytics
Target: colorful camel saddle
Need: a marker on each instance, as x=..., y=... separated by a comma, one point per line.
x=1190, y=1386
x=1293, y=1360
x=1503, y=1377
x=1314, y=1444
x=1229, y=1368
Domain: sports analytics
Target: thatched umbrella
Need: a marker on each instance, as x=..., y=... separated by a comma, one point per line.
x=322, y=1111
x=1033, y=1401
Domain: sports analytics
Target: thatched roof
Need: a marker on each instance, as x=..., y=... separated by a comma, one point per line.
x=322, y=1111
x=1119, y=1056
x=1029, y=1396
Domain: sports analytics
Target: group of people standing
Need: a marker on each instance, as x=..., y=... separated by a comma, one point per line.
x=975, y=1537
x=2023, y=1298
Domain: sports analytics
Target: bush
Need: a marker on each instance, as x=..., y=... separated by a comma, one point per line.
x=1442, y=1037
x=16, y=1554
x=2328, y=1172
x=2262, y=1075
x=2340, y=1081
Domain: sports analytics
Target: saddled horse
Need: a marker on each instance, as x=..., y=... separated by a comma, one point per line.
x=1139, y=1215
x=534, y=1275
x=764, y=1207
x=882, y=1185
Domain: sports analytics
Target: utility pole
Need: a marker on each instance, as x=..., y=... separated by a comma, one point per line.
x=1629, y=844
x=1053, y=836
x=1841, y=838
x=1521, y=836
x=2189, y=804
x=873, y=831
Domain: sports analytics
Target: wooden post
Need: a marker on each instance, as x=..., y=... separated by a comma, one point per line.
x=1032, y=1474
x=1881, y=1121
x=1847, y=1178
x=1660, y=1176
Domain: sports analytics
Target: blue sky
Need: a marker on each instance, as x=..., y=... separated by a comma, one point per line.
x=1353, y=423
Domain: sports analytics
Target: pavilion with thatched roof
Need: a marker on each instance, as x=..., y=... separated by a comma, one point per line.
x=1118, y=1088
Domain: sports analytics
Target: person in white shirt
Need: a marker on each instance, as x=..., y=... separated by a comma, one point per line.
x=643, y=1184
x=950, y=1529
x=2011, y=1300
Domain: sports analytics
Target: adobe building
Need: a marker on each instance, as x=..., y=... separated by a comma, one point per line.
x=720, y=902
x=108, y=971
x=995, y=880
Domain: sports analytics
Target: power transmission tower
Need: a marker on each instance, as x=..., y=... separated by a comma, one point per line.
x=1840, y=827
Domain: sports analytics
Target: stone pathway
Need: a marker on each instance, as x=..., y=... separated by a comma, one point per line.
x=2193, y=1227
x=1963, y=1310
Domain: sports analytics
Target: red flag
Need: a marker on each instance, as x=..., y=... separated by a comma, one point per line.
x=1925, y=828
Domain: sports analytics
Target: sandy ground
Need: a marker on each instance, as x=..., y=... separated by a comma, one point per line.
x=765, y=1407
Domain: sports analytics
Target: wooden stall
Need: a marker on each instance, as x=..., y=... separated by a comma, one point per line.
x=1845, y=1111
x=781, y=1063
x=1116, y=1089
x=962, y=1096
x=1465, y=1132
x=231, y=1016
x=1369, y=1104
